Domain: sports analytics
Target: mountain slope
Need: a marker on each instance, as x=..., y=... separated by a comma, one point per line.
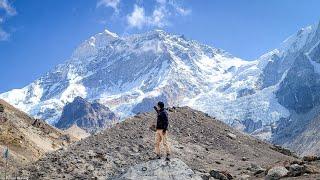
x=308, y=142
x=91, y=117
x=200, y=141
x=27, y=138
x=300, y=133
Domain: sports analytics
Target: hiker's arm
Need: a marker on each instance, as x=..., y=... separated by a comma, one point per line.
x=155, y=108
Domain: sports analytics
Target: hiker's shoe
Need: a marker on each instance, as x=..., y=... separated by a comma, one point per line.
x=155, y=157
x=168, y=157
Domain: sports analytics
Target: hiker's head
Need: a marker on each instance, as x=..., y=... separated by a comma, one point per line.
x=160, y=105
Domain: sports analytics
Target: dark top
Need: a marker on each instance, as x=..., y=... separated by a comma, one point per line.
x=162, y=119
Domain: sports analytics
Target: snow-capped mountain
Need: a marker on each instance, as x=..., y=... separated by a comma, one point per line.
x=129, y=74
x=124, y=73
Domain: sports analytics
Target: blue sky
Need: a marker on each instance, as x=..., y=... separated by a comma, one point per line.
x=36, y=35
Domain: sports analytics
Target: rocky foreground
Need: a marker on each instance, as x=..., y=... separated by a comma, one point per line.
x=201, y=147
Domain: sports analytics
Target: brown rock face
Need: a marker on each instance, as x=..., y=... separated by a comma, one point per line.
x=27, y=138
x=91, y=117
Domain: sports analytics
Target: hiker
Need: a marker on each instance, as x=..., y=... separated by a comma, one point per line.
x=161, y=130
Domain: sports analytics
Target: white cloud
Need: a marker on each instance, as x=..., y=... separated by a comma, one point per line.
x=178, y=8
x=3, y=35
x=114, y=4
x=183, y=11
x=8, y=11
x=160, y=16
x=137, y=18
x=7, y=8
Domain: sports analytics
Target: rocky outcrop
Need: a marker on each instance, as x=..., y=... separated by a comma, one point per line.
x=300, y=89
x=77, y=132
x=91, y=117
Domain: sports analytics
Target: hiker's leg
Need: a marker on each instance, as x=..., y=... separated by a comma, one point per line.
x=165, y=142
x=157, y=143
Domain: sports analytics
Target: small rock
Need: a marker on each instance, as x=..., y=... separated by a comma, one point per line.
x=205, y=177
x=135, y=149
x=220, y=175
x=244, y=177
x=91, y=153
x=244, y=159
x=256, y=169
x=231, y=136
x=90, y=168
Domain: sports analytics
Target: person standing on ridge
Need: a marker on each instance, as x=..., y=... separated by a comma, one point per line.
x=161, y=130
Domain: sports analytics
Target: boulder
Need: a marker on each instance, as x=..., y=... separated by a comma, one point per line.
x=175, y=169
x=296, y=170
x=276, y=172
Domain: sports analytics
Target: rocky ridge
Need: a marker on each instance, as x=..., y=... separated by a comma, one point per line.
x=207, y=146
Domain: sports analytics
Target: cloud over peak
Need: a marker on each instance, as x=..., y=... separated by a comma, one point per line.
x=163, y=10
x=151, y=13
x=114, y=4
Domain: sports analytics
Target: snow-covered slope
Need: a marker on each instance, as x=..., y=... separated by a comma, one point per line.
x=129, y=74
x=125, y=73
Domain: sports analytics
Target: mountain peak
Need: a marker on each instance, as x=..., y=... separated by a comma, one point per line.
x=159, y=31
x=106, y=31
x=88, y=116
x=79, y=99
